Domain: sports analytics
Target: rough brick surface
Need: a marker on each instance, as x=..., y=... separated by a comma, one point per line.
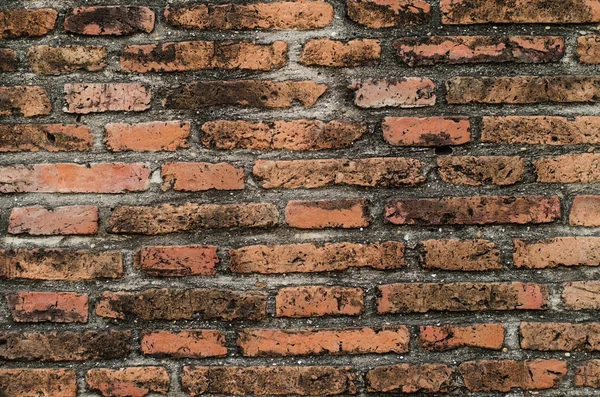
x=194, y=177
x=171, y=261
x=57, y=307
x=48, y=137
x=408, y=378
x=345, y=214
x=410, y=92
x=132, y=381
x=477, y=171
x=38, y=382
x=570, y=168
x=464, y=255
x=587, y=374
x=111, y=20
x=17, y=23
x=9, y=60
x=27, y=101
x=581, y=295
x=58, y=60
x=585, y=211
x=555, y=252
x=388, y=13
x=152, y=136
x=448, y=337
x=40, y=221
x=327, y=52
x=84, y=98
x=319, y=301
x=426, y=131
x=184, y=344
x=560, y=336
x=588, y=49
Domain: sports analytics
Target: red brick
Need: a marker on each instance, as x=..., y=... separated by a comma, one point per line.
x=587, y=374
x=388, y=13
x=202, y=55
x=523, y=89
x=370, y=172
x=322, y=214
x=27, y=101
x=479, y=210
x=65, y=345
x=307, y=258
x=84, y=98
x=277, y=15
x=588, y=49
x=169, y=218
x=585, y=211
x=462, y=255
x=9, y=62
x=40, y=221
x=337, y=53
x=460, y=297
x=431, y=50
x=25, y=382
x=271, y=380
x=151, y=136
x=184, y=344
x=247, y=93
x=183, y=304
x=49, y=137
x=426, y=131
x=541, y=130
x=26, y=22
x=59, y=60
x=505, y=375
x=411, y=378
x=448, y=337
x=581, y=295
x=465, y=12
x=111, y=20
x=60, y=264
x=560, y=336
x=281, y=135
x=482, y=170
x=127, y=382
x=319, y=301
x=555, y=252
x=406, y=92
x=75, y=178
x=56, y=307
x=303, y=342
x=176, y=261
x=196, y=177
x=570, y=168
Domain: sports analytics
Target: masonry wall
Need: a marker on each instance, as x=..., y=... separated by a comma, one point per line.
x=299, y=198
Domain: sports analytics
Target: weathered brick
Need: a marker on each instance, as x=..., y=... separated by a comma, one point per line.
x=426, y=131
x=305, y=258
x=27, y=101
x=581, y=295
x=184, y=344
x=9, y=61
x=281, y=135
x=448, y=337
x=75, y=178
x=481, y=170
x=65, y=345
x=570, y=168
x=84, y=98
x=25, y=382
x=560, y=336
x=406, y=92
x=60, y=264
x=110, y=20
x=58, y=60
x=479, y=210
x=505, y=375
x=337, y=53
x=277, y=15
x=319, y=301
x=460, y=297
x=411, y=378
x=176, y=261
x=322, y=214
x=388, y=13
x=370, y=172
x=585, y=211
x=304, y=342
x=26, y=22
x=541, y=130
x=588, y=49
x=151, y=136
x=169, y=218
x=56, y=307
x=523, y=89
x=183, y=304
x=202, y=55
x=40, y=221
x=248, y=93
x=587, y=374
x=462, y=255
x=195, y=177
x=555, y=252
x=272, y=380
x=126, y=382
x=49, y=137
x=465, y=12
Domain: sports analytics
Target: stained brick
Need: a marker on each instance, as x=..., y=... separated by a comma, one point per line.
x=59, y=60
x=581, y=295
x=184, y=344
x=194, y=177
x=388, y=13
x=125, y=382
x=407, y=92
x=25, y=382
x=9, y=62
x=585, y=211
x=84, y=98
x=448, y=337
x=176, y=261
x=411, y=378
x=462, y=255
x=555, y=252
x=27, y=101
x=322, y=214
x=482, y=170
x=110, y=20
x=426, y=131
x=336, y=53
x=587, y=374
x=560, y=336
x=588, y=49
x=56, y=307
x=26, y=22
x=570, y=168
x=49, y=137
x=319, y=301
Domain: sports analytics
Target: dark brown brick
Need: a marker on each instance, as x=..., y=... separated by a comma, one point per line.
x=411, y=378
x=110, y=20
x=24, y=382
x=462, y=255
x=388, y=13
x=26, y=22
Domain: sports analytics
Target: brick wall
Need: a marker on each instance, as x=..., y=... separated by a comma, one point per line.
x=299, y=198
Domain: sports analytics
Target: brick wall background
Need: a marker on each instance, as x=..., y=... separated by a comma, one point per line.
x=299, y=198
